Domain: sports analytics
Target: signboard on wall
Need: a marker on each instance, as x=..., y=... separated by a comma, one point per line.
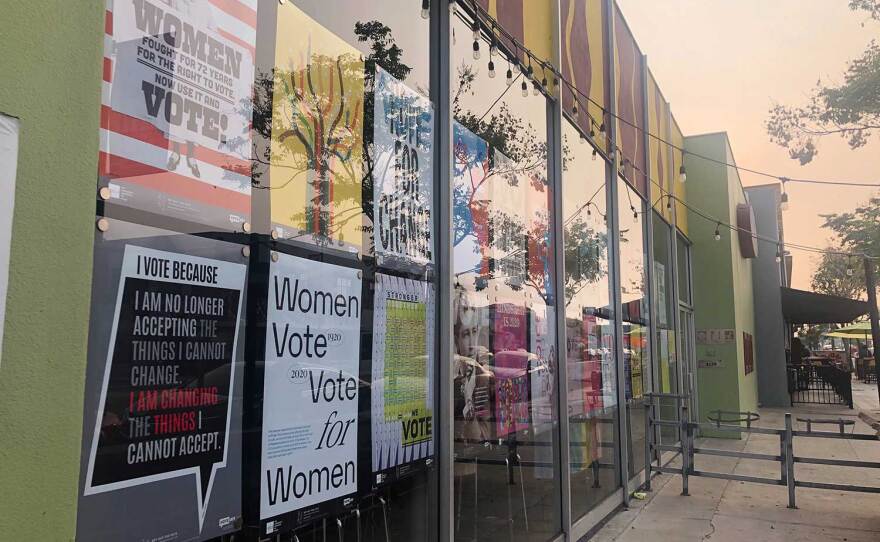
x=8, y=164
x=161, y=444
x=310, y=390
x=402, y=390
x=403, y=188
x=175, y=121
x=316, y=176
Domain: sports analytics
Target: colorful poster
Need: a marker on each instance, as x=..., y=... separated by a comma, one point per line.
x=9, y=128
x=163, y=372
x=316, y=168
x=403, y=180
x=402, y=391
x=177, y=94
x=470, y=220
x=310, y=389
x=512, y=362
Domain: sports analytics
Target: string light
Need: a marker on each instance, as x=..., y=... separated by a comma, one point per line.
x=509, y=75
x=595, y=154
x=718, y=232
x=778, y=253
x=849, y=269
x=574, y=110
x=783, y=199
x=491, y=70
x=426, y=9
x=476, y=49
x=535, y=90
x=592, y=129
x=525, y=89
x=668, y=203
x=682, y=173
x=475, y=28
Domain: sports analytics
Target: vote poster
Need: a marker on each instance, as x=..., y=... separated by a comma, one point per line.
x=512, y=362
x=402, y=390
x=161, y=444
x=403, y=141
x=316, y=168
x=470, y=220
x=177, y=106
x=310, y=388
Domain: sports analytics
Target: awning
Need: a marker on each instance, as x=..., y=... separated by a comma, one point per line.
x=802, y=307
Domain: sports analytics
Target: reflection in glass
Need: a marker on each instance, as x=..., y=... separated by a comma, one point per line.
x=664, y=324
x=634, y=313
x=505, y=474
x=592, y=379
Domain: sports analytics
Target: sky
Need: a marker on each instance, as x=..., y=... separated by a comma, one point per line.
x=723, y=63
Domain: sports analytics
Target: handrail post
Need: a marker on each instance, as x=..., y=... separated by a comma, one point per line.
x=649, y=441
x=685, y=447
x=789, y=460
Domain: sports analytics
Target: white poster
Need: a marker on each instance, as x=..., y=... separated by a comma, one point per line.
x=403, y=140
x=402, y=395
x=310, y=404
x=8, y=165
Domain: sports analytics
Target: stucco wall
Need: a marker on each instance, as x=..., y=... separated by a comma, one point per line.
x=52, y=68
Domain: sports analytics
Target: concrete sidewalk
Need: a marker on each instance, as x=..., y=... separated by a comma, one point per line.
x=721, y=510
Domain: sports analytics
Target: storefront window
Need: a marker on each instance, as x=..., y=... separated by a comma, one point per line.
x=506, y=471
x=344, y=185
x=684, y=270
x=665, y=306
x=592, y=377
x=635, y=317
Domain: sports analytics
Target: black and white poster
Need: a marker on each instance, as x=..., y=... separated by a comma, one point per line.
x=403, y=174
x=310, y=404
x=161, y=385
x=402, y=388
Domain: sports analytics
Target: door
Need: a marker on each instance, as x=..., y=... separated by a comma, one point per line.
x=688, y=361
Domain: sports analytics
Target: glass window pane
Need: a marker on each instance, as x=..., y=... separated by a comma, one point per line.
x=506, y=469
x=665, y=344
x=684, y=270
x=589, y=356
x=635, y=316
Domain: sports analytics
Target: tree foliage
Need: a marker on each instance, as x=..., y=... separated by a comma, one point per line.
x=839, y=275
x=850, y=110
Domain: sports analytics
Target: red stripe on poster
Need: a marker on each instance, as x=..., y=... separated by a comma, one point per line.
x=108, y=70
x=237, y=10
x=144, y=131
x=172, y=184
x=235, y=39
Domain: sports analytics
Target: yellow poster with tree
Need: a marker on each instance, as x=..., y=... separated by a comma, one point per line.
x=316, y=149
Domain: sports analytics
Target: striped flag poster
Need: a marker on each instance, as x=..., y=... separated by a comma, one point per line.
x=176, y=108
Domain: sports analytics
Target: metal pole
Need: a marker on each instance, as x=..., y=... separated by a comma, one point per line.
x=872, y=307
x=441, y=72
x=789, y=461
x=649, y=439
x=685, y=448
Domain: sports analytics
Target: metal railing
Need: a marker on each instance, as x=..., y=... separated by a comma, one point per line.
x=687, y=449
x=819, y=384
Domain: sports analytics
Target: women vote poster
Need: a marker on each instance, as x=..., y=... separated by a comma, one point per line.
x=403, y=140
x=176, y=108
x=162, y=431
x=402, y=391
x=316, y=151
x=310, y=391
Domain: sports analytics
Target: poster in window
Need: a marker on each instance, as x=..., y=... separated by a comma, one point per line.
x=310, y=389
x=316, y=168
x=9, y=129
x=470, y=220
x=403, y=141
x=176, y=108
x=161, y=442
x=402, y=390
x=660, y=289
x=512, y=362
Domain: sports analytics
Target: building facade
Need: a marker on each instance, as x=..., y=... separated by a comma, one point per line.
x=384, y=270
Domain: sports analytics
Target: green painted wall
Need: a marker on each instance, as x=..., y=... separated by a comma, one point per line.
x=722, y=279
x=51, y=65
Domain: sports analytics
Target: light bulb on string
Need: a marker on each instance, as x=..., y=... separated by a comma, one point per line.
x=778, y=253
x=525, y=89
x=595, y=154
x=535, y=90
x=669, y=203
x=718, y=232
x=682, y=174
x=509, y=75
x=592, y=129
x=602, y=128
x=475, y=28
x=426, y=9
x=476, y=49
x=635, y=213
x=588, y=209
x=574, y=111
x=491, y=69
x=452, y=6
x=783, y=199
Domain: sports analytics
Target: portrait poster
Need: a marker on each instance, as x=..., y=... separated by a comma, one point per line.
x=402, y=388
x=403, y=179
x=161, y=440
x=470, y=220
x=310, y=391
x=316, y=168
x=176, y=109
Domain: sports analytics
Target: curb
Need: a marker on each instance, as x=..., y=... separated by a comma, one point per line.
x=870, y=420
